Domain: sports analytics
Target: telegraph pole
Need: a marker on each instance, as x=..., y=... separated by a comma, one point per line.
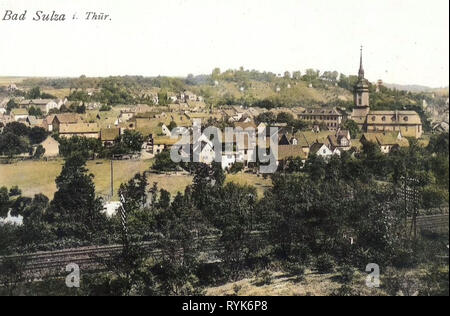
x=124, y=220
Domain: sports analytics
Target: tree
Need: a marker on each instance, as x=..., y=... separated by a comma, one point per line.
x=266, y=117
x=17, y=128
x=163, y=162
x=352, y=127
x=11, y=105
x=34, y=93
x=39, y=153
x=172, y=125
x=11, y=144
x=4, y=202
x=133, y=140
x=35, y=111
x=284, y=117
x=37, y=135
x=134, y=192
x=181, y=227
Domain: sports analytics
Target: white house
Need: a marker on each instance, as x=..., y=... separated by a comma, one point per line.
x=19, y=114
x=320, y=149
x=228, y=160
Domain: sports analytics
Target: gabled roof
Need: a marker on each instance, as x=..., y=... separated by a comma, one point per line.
x=386, y=139
x=393, y=117
x=316, y=147
x=19, y=112
x=109, y=134
x=79, y=128
x=244, y=125
x=286, y=151
x=321, y=111
x=67, y=118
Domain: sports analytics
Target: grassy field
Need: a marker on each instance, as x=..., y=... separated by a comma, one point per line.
x=35, y=177
x=313, y=284
x=259, y=183
x=5, y=81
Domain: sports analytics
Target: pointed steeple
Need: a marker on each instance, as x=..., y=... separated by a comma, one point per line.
x=361, y=69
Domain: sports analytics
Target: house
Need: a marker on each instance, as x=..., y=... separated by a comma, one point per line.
x=386, y=141
x=19, y=114
x=298, y=139
x=331, y=117
x=188, y=96
x=245, y=126
x=45, y=105
x=228, y=160
x=341, y=140
x=159, y=143
x=12, y=87
x=33, y=121
x=51, y=147
x=89, y=130
x=321, y=150
x=290, y=151
x=172, y=97
x=64, y=119
x=204, y=148
x=47, y=123
x=109, y=135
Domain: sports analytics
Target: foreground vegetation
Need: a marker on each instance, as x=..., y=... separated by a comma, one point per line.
x=306, y=221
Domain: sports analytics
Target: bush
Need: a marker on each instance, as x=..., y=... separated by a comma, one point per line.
x=295, y=269
x=325, y=264
x=237, y=167
x=264, y=278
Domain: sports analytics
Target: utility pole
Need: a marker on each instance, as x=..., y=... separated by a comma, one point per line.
x=124, y=220
x=411, y=199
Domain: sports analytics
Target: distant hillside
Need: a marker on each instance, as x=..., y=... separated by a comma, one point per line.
x=416, y=88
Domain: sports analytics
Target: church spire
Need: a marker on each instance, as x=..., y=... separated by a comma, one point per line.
x=361, y=69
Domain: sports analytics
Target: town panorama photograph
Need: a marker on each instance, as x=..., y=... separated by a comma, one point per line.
x=224, y=156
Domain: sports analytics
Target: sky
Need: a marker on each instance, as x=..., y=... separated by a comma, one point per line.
x=405, y=41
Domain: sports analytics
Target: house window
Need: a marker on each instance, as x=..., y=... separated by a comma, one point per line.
x=405, y=119
x=383, y=118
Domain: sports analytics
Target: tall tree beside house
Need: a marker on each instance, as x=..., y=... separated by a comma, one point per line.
x=11, y=105
x=35, y=111
x=11, y=144
x=352, y=127
x=133, y=140
x=163, y=162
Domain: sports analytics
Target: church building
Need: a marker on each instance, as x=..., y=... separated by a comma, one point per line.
x=406, y=122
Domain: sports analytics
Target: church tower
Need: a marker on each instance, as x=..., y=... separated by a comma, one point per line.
x=361, y=87
x=361, y=97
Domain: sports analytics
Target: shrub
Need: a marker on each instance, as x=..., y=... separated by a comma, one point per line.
x=295, y=269
x=264, y=278
x=325, y=264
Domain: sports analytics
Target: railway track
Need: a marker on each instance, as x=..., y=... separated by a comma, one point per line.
x=433, y=223
x=87, y=258
x=91, y=257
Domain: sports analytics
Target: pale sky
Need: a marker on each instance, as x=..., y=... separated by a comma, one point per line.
x=405, y=41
